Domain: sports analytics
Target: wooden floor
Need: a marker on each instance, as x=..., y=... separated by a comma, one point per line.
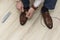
x=34, y=29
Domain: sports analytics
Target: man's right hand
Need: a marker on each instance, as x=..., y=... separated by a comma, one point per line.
x=20, y=6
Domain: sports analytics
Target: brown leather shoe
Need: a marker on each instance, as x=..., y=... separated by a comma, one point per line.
x=47, y=18
x=23, y=18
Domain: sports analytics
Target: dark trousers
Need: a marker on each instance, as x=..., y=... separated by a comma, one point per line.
x=26, y=4
x=50, y=4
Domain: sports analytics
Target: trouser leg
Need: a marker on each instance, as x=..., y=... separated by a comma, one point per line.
x=26, y=3
x=50, y=4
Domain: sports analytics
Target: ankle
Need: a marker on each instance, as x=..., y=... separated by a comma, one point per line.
x=44, y=9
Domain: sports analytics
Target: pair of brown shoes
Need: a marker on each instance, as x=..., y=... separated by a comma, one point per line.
x=46, y=16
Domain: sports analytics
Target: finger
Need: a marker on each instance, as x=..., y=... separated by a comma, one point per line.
x=22, y=9
x=27, y=14
x=19, y=9
x=30, y=15
x=18, y=6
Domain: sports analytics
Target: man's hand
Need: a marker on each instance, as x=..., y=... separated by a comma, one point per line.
x=20, y=6
x=30, y=13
